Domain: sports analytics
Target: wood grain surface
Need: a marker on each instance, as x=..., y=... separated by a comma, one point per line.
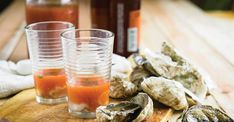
x=23, y=108
x=171, y=21
x=206, y=41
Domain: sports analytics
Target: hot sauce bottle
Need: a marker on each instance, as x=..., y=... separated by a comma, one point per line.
x=100, y=14
x=123, y=19
x=125, y=23
x=52, y=10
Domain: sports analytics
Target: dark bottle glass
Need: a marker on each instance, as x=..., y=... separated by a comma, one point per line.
x=100, y=11
x=123, y=18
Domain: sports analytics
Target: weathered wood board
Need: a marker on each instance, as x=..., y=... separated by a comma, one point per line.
x=24, y=108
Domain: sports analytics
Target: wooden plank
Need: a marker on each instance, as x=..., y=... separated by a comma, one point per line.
x=2, y=101
x=223, y=102
x=203, y=26
x=84, y=14
x=191, y=44
x=23, y=107
x=188, y=43
x=21, y=50
x=10, y=21
x=224, y=80
x=11, y=44
x=224, y=25
x=151, y=36
x=222, y=14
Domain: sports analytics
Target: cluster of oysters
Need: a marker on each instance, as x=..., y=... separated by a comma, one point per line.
x=165, y=77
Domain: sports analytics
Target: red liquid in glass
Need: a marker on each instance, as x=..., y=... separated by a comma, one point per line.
x=38, y=13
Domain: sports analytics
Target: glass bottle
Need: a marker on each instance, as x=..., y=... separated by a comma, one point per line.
x=100, y=12
x=52, y=10
x=121, y=17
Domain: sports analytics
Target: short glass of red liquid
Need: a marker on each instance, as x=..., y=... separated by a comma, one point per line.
x=87, y=57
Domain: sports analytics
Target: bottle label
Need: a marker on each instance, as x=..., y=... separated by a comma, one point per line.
x=132, y=39
x=120, y=27
x=134, y=31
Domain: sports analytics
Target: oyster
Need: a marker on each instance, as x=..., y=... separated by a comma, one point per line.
x=166, y=67
x=191, y=78
x=120, y=64
x=120, y=112
x=146, y=103
x=175, y=56
x=137, y=109
x=138, y=75
x=205, y=113
x=165, y=91
x=120, y=87
x=140, y=61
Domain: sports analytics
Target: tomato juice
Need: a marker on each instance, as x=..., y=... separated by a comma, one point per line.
x=50, y=83
x=90, y=91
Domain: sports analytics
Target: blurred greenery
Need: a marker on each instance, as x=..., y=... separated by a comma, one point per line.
x=215, y=4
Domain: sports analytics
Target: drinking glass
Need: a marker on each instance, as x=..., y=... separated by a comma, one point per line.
x=46, y=55
x=87, y=57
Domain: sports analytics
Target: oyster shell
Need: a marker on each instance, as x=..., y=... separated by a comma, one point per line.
x=138, y=75
x=120, y=64
x=165, y=91
x=120, y=112
x=137, y=109
x=205, y=113
x=175, y=56
x=140, y=61
x=120, y=87
x=146, y=103
x=191, y=78
x=166, y=67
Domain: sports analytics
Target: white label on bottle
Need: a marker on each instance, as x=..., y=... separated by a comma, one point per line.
x=132, y=39
x=120, y=28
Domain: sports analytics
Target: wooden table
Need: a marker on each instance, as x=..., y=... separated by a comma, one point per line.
x=206, y=40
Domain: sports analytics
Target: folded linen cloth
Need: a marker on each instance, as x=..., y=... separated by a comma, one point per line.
x=14, y=77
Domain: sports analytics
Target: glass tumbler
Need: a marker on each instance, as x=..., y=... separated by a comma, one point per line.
x=46, y=55
x=87, y=57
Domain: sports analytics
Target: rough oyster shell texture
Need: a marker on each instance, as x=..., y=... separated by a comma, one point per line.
x=165, y=91
x=120, y=87
x=146, y=103
x=171, y=65
x=193, y=79
x=120, y=112
x=138, y=60
x=137, y=109
x=205, y=113
x=138, y=75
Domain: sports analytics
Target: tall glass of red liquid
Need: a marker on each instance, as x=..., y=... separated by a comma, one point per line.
x=46, y=54
x=52, y=10
x=87, y=57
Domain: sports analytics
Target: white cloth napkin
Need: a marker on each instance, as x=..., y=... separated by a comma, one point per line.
x=14, y=77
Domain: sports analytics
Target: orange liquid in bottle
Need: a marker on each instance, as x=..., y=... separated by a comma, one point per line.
x=90, y=91
x=50, y=83
x=39, y=13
